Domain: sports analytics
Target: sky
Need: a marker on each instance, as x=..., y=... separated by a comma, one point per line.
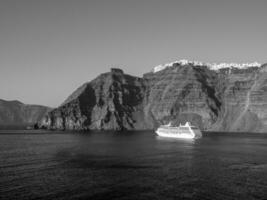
x=48, y=48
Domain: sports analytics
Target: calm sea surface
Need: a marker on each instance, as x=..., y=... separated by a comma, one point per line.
x=135, y=165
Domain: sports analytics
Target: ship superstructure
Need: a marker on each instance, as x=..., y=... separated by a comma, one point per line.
x=183, y=131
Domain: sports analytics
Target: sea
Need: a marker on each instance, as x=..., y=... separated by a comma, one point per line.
x=131, y=165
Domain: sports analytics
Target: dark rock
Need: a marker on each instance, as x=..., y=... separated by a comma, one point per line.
x=184, y=93
x=15, y=113
x=116, y=71
x=111, y=101
x=244, y=102
x=229, y=99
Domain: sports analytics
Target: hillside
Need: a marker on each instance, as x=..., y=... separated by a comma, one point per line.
x=15, y=113
x=214, y=97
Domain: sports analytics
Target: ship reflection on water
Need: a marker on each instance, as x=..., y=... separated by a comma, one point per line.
x=182, y=141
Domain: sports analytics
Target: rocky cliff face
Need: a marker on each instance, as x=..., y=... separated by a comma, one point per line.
x=225, y=99
x=15, y=113
x=113, y=101
x=183, y=93
x=244, y=101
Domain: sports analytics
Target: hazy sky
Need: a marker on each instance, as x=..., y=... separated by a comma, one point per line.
x=50, y=47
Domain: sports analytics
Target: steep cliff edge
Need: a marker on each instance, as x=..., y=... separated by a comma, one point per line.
x=15, y=113
x=244, y=105
x=221, y=99
x=112, y=101
x=183, y=93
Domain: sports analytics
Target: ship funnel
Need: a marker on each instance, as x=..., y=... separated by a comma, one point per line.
x=187, y=124
x=169, y=124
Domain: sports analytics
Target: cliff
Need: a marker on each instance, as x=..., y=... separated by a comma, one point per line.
x=183, y=93
x=112, y=101
x=211, y=97
x=244, y=101
x=15, y=113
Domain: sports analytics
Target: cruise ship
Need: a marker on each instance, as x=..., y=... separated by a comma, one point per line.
x=182, y=131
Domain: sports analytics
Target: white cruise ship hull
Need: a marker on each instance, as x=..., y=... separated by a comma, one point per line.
x=175, y=135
